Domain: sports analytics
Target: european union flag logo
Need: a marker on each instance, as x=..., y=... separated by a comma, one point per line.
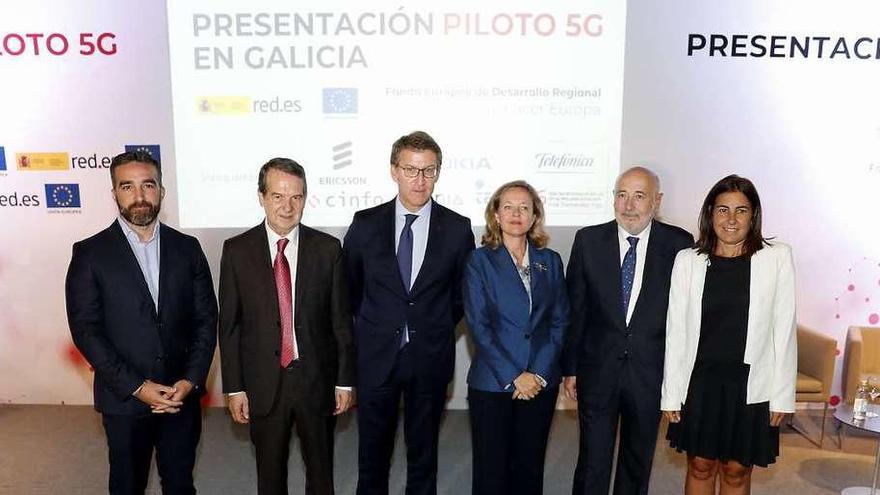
x=2, y=158
x=340, y=100
x=152, y=149
x=62, y=196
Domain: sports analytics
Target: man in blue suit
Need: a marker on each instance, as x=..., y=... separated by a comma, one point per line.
x=618, y=284
x=141, y=309
x=405, y=261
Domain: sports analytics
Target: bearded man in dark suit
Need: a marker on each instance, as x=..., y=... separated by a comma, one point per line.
x=141, y=309
x=618, y=285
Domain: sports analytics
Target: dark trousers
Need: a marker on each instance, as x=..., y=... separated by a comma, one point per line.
x=637, y=406
x=378, y=411
x=271, y=438
x=132, y=439
x=509, y=441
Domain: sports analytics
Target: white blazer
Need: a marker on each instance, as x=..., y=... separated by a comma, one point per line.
x=771, y=338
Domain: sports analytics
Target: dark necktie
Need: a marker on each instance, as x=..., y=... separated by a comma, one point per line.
x=285, y=304
x=628, y=274
x=404, y=263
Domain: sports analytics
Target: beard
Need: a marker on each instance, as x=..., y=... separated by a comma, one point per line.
x=142, y=213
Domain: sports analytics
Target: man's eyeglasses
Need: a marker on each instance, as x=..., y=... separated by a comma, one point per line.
x=412, y=172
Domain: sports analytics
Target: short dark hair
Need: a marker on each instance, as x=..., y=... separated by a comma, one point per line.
x=416, y=141
x=285, y=165
x=133, y=156
x=708, y=239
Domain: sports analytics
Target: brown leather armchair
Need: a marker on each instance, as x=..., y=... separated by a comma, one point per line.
x=862, y=359
x=816, y=354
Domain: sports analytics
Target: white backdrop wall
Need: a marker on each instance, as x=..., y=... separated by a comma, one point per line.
x=805, y=129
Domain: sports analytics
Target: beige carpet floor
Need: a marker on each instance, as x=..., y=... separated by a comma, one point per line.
x=61, y=450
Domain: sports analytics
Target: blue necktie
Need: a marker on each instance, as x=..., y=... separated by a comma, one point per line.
x=404, y=263
x=628, y=274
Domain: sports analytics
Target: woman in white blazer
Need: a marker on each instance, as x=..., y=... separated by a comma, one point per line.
x=731, y=350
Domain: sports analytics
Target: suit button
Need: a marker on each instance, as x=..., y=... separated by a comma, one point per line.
x=159, y=358
x=411, y=303
x=277, y=352
x=628, y=334
x=160, y=325
x=528, y=336
x=624, y=354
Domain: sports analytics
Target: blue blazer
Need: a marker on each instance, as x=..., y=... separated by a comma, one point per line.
x=508, y=339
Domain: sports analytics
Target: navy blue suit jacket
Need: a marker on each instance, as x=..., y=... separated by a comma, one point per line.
x=599, y=341
x=381, y=306
x=121, y=333
x=509, y=340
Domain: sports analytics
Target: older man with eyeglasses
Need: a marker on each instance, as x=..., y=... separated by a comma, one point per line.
x=405, y=261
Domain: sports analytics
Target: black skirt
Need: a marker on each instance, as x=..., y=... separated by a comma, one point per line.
x=716, y=423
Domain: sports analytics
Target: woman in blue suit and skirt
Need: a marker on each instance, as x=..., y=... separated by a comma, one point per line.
x=517, y=310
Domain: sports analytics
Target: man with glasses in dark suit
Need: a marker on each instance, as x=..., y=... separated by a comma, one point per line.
x=405, y=261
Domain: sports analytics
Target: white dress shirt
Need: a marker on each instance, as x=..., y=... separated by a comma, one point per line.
x=291, y=251
x=641, y=250
x=527, y=281
x=147, y=255
x=420, y=233
x=525, y=276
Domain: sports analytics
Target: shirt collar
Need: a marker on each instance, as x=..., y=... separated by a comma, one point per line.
x=131, y=235
x=622, y=234
x=525, y=259
x=400, y=210
x=292, y=236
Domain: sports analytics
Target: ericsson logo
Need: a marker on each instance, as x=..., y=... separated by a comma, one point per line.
x=342, y=155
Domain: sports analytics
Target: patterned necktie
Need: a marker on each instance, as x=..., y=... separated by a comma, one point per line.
x=285, y=304
x=404, y=252
x=628, y=274
x=404, y=264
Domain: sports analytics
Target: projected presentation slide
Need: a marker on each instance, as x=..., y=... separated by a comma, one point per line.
x=510, y=90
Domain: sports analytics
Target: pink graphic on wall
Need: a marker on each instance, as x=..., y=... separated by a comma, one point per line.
x=858, y=302
x=209, y=400
x=75, y=358
x=77, y=362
